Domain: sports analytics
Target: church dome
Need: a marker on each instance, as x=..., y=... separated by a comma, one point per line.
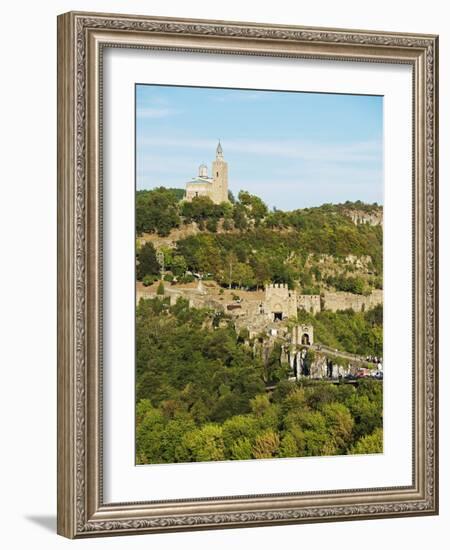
x=202, y=171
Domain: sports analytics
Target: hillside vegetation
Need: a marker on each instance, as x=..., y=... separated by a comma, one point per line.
x=201, y=396
x=243, y=244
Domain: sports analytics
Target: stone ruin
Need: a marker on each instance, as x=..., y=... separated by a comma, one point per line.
x=265, y=330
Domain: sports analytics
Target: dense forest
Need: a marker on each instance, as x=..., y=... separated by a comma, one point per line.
x=243, y=244
x=201, y=392
x=205, y=391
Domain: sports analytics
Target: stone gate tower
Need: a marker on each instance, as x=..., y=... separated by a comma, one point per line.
x=280, y=302
x=219, y=177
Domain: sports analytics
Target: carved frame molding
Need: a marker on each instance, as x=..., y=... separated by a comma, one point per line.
x=81, y=39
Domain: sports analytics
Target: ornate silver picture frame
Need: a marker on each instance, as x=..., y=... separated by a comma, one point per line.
x=82, y=41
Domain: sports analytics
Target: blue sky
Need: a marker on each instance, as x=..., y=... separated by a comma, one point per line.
x=292, y=149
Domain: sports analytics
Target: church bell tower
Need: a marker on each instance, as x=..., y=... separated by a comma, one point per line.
x=220, y=177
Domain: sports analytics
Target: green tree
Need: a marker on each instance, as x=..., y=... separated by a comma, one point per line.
x=160, y=289
x=203, y=210
x=239, y=427
x=367, y=414
x=147, y=264
x=255, y=206
x=375, y=316
x=275, y=371
x=288, y=447
x=243, y=275
x=205, y=443
x=227, y=405
x=368, y=444
x=157, y=211
x=261, y=270
x=149, y=428
x=259, y=405
x=178, y=266
x=339, y=423
x=240, y=217
x=241, y=449
x=172, y=447
x=294, y=400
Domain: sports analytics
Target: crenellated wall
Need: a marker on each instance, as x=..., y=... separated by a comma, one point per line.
x=280, y=299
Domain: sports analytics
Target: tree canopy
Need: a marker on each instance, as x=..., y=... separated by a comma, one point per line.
x=200, y=396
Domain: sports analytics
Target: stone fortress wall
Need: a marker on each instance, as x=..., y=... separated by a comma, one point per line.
x=280, y=302
x=310, y=303
x=279, y=299
x=335, y=301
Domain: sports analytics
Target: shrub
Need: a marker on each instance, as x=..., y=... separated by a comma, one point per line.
x=188, y=278
x=227, y=225
x=148, y=280
x=211, y=225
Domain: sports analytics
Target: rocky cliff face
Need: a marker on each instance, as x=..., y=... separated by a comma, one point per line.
x=373, y=217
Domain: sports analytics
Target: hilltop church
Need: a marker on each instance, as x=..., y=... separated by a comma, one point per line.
x=215, y=186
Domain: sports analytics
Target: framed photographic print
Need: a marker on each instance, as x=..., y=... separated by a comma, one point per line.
x=247, y=284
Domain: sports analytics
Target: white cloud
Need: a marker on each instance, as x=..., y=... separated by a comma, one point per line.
x=310, y=151
x=155, y=112
x=363, y=151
